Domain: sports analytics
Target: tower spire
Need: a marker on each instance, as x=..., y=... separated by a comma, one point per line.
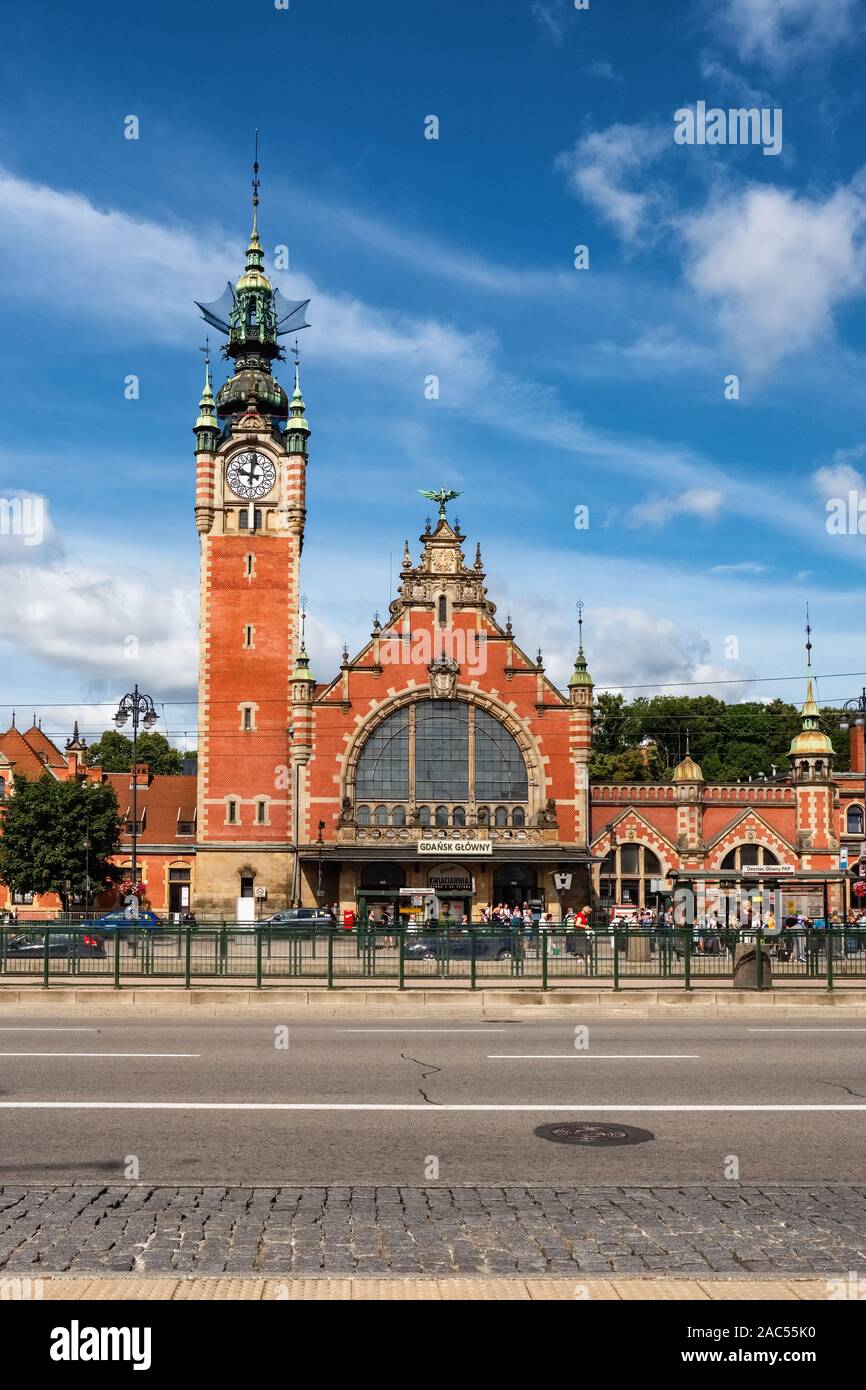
x=580, y=675
x=812, y=741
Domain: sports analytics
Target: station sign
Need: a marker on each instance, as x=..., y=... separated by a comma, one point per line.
x=462, y=848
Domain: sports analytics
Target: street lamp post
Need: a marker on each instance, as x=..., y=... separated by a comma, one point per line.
x=855, y=711
x=320, y=892
x=139, y=708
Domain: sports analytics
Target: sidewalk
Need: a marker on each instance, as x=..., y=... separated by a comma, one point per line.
x=87, y=1289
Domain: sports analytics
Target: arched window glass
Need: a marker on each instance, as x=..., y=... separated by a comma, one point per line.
x=2, y=787
x=443, y=733
x=518, y=816
x=383, y=767
x=501, y=815
x=443, y=610
x=442, y=750
x=483, y=815
x=458, y=816
x=854, y=818
x=500, y=772
x=399, y=817
x=748, y=856
x=381, y=815
x=423, y=815
x=363, y=815
x=441, y=815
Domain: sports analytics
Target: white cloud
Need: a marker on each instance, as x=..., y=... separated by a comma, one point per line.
x=109, y=624
x=551, y=16
x=730, y=84
x=780, y=33
x=845, y=455
x=838, y=481
x=745, y=567
x=776, y=266
x=147, y=274
x=633, y=647
x=703, y=503
x=604, y=164
x=601, y=68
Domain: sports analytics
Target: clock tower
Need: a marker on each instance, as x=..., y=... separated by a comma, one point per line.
x=251, y=459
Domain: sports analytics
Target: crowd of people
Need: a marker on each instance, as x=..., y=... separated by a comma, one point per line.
x=711, y=933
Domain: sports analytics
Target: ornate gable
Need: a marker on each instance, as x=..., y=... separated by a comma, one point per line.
x=749, y=827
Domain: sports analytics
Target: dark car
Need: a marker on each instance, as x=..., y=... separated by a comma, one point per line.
x=295, y=918
x=457, y=945
x=118, y=922
x=82, y=944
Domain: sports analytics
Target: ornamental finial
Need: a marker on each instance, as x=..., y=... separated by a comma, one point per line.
x=442, y=496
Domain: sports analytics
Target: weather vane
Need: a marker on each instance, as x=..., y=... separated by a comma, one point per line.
x=442, y=496
x=256, y=179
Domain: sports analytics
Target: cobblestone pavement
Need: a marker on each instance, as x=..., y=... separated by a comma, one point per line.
x=698, y=1230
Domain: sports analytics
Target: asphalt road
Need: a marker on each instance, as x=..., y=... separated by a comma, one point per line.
x=354, y=1101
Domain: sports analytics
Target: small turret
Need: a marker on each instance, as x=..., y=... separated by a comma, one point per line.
x=811, y=752
x=580, y=685
x=206, y=427
x=297, y=429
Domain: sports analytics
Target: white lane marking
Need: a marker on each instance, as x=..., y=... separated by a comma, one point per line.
x=593, y=1056
x=807, y=1030
x=338, y=1106
x=49, y=1030
x=100, y=1054
x=421, y=1030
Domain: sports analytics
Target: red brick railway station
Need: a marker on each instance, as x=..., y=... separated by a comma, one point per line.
x=439, y=763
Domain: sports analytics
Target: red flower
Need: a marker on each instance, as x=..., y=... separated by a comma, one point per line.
x=860, y=888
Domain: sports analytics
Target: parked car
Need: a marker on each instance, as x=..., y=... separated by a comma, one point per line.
x=117, y=922
x=457, y=945
x=60, y=943
x=295, y=918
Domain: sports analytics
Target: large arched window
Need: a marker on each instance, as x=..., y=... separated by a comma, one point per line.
x=627, y=874
x=456, y=751
x=853, y=821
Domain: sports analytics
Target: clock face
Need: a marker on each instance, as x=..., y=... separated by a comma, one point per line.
x=250, y=474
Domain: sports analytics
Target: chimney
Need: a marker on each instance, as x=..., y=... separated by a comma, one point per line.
x=855, y=734
x=140, y=775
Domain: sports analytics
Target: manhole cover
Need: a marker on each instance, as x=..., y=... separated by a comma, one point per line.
x=601, y=1136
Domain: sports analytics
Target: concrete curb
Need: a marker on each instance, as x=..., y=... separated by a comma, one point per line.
x=89, y=1288
x=389, y=1002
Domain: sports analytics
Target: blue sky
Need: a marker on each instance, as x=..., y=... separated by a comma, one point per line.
x=559, y=388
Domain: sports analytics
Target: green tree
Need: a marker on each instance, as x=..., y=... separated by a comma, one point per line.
x=730, y=742
x=631, y=765
x=45, y=827
x=113, y=753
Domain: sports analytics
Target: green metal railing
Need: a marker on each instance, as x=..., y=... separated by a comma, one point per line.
x=475, y=956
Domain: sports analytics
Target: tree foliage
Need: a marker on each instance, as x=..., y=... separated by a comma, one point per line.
x=113, y=753
x=45, y=826
x=643, y=741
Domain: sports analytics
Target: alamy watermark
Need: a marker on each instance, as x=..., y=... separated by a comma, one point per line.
x=737, y=126
x=24, y=517
x=467, y=648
